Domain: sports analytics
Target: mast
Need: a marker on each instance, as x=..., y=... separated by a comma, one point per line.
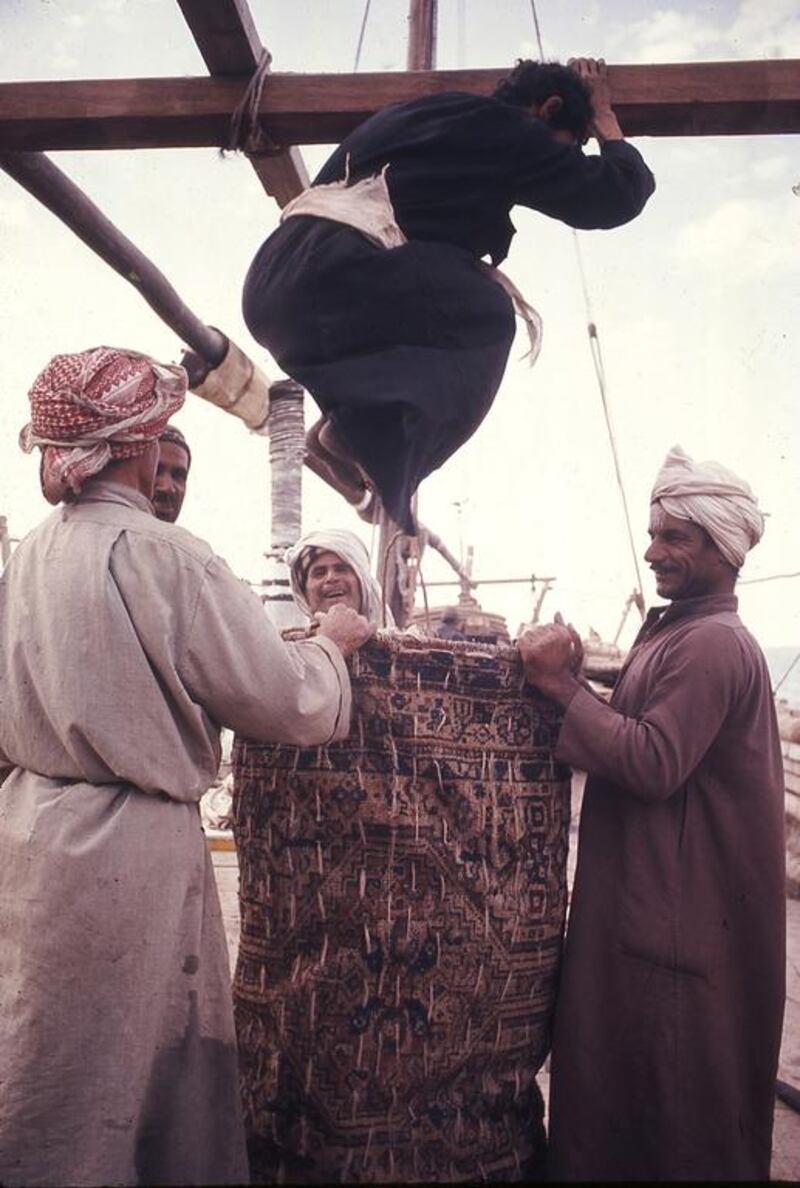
x=400, y=555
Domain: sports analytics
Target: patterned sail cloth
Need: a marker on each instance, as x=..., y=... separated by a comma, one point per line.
x=403, y=897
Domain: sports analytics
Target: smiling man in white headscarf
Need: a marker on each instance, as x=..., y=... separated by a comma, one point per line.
x=670, y=1007
x=331, y=566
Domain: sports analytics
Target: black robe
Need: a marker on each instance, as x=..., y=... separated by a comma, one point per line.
x=404, y=349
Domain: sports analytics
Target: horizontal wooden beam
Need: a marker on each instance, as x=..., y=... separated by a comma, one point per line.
x=677, y=99
x=226, y=36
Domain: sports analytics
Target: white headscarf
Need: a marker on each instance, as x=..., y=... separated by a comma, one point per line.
x=352, y=550
x=713, y=497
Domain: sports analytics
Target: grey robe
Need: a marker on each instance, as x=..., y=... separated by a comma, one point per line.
x=669, y=1011
x=124, y=645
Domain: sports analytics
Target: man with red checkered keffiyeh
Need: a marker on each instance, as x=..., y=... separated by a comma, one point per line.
x=125, y=644
x=96, y=407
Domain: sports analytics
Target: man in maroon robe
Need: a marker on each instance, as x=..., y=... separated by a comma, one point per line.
x=670, y=1006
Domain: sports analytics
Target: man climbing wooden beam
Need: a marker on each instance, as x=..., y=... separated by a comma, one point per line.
x=677, y=99
x=373, y=292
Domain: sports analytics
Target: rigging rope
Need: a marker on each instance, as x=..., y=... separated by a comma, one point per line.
x=245, y=132
x=773, y=577
x=361, y=37
x=599, y=370
x=597, y=360
x=785, y=675
x=535, y=16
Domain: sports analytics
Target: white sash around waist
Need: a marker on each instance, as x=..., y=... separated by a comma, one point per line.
x=366, y=207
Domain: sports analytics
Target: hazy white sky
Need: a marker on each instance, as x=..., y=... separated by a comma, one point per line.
x=697, y=301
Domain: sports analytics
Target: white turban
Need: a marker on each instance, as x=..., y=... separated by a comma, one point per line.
x=352, y=550
x=713, y=497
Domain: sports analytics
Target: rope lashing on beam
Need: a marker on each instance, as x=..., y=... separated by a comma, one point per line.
x=246, y=133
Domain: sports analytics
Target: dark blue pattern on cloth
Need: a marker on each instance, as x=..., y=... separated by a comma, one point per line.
x=403, y=899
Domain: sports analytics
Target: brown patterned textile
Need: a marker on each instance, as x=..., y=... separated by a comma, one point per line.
x=403, y=896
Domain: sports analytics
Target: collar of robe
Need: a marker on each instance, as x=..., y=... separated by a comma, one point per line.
x=707, y=604
x=98, y=491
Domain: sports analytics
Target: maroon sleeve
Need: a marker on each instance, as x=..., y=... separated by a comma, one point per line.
x=652, y=754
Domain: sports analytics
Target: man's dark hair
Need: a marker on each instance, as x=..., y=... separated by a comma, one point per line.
x=172, y=433
x=530, y=83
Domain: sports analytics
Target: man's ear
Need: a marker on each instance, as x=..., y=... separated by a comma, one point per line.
x=551, y=106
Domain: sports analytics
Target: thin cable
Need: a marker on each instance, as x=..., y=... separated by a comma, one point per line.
x=599, y=369
x=535, y=16
x=785, y=675
x=425, y=601
x=361, y=36
x=372, y=536
x=384, y=566
x=597, y=359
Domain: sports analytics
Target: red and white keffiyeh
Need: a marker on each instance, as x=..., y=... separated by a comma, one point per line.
x=90, y=407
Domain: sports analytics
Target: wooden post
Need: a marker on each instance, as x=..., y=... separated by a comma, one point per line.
x=286, y=450
x=421, y=35
x=399, y=559
x=400, y=555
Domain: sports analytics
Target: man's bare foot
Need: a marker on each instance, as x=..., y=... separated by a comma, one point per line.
x=330, y=441
x=332, y=460
x=336, y=460
x=339, y=472
x=333, y=446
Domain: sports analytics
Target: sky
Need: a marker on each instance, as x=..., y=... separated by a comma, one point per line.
x=696, y=302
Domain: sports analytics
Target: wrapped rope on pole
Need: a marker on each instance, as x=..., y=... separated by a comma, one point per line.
x=239, y=387
x=286, y=449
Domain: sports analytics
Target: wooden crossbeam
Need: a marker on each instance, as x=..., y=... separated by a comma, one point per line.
x=226, y=36
x=677, y=99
